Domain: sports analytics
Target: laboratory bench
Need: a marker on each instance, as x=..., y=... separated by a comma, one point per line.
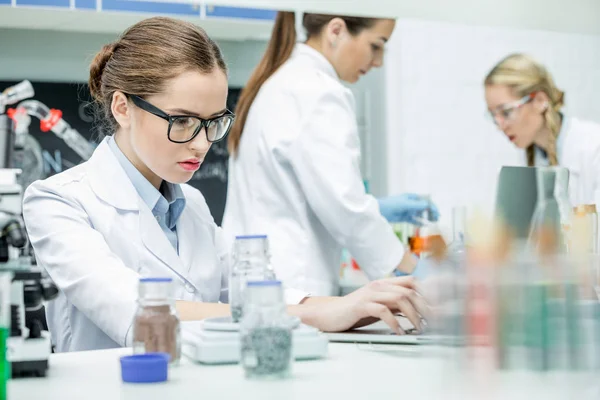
x=351, y=371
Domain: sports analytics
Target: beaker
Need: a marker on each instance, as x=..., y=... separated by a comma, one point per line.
x=552, y=215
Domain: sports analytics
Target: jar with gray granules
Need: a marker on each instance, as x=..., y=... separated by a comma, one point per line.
x=266, y=332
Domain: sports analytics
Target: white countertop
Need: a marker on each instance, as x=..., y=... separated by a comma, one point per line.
x=350, y=372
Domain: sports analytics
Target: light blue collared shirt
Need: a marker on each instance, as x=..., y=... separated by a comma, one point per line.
x=166, y=204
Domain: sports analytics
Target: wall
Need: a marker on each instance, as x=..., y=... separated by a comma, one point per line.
x=65, y=56
x=555, y=15
x=370, y=114
x=439, y=139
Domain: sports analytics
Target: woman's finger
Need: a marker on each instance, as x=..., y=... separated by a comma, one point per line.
x=399, y=301
x=401, y=281
x=420, y=305
x=408, y=309
x=385, y=286
x=382, y=312
x=417, y=300
x=389, y=298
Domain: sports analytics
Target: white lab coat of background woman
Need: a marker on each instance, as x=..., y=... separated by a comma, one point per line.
x=297, y=179
x=100, y=238
x=578, y=149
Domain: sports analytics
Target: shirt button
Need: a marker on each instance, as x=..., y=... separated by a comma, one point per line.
x=157, y=217
x=189, y=288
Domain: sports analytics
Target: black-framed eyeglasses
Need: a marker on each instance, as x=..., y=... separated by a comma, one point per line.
x=184, y=128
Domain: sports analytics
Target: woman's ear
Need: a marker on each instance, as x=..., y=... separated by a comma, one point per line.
x=121, y=109
x=541, y=101
x=334, y=30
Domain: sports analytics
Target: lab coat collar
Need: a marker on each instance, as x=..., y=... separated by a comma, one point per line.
x=169, y=198
x=145, y=189
x=306, y=53
x=109, y=181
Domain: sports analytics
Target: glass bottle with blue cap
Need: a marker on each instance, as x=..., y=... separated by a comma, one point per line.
x=251, y=262
x=266, y=332
x=156, y=326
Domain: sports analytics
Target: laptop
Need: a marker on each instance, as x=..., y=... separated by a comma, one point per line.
x=380, y=333
x=516, y=197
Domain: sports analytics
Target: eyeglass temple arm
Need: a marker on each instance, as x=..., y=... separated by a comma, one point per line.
x=149, y=107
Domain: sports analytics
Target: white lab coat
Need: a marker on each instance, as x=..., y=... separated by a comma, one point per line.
x=95, y=236
x=578, y=149
x=297, y=179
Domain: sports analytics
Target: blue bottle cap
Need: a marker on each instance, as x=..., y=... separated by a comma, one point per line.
x=145, y=368
x=264, y=283
x=244, y=237
x=157, y=279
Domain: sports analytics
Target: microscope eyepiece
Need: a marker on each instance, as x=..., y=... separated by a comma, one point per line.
x=15, y=234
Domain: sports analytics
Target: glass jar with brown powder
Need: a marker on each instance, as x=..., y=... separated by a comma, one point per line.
x=156, y=327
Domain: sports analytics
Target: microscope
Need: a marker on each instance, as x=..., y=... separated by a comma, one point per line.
x=29, y=345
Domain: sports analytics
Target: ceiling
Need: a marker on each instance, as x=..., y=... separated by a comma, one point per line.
x=116, y=22
x=579, y=16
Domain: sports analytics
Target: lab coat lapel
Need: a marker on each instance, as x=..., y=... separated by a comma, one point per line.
x=198, y=255
x=185, y=233
x=110, y=183
x=157, y=242
x=568, y=157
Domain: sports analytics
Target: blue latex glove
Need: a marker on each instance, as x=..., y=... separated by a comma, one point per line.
x=405, y=208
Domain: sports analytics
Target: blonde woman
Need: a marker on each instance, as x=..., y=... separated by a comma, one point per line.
x=526, y=105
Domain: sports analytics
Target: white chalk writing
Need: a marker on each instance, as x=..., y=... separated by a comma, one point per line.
x=215, y=170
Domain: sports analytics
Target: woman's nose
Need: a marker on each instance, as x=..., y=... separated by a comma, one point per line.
x=200, y=143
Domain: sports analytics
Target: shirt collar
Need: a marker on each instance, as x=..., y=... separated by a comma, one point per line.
x=173, y=199
x=305, y=52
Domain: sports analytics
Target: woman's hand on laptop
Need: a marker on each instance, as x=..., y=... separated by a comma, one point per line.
x=378, y=300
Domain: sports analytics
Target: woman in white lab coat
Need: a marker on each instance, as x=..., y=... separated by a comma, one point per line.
x=126, y=213
x=294, y=156
x=526, y=105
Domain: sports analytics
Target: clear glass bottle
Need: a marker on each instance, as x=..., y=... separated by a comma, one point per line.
x=426, y=235
x=552, y=212
x=458, y=248
x=266, y=332
x=251, y=262
x=561, y=192
x=451, y=279
x=156, y=327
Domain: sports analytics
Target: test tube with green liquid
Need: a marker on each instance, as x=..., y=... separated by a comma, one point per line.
x=5, y=281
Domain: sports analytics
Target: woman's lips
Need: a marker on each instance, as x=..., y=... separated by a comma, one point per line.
x=190, y=165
